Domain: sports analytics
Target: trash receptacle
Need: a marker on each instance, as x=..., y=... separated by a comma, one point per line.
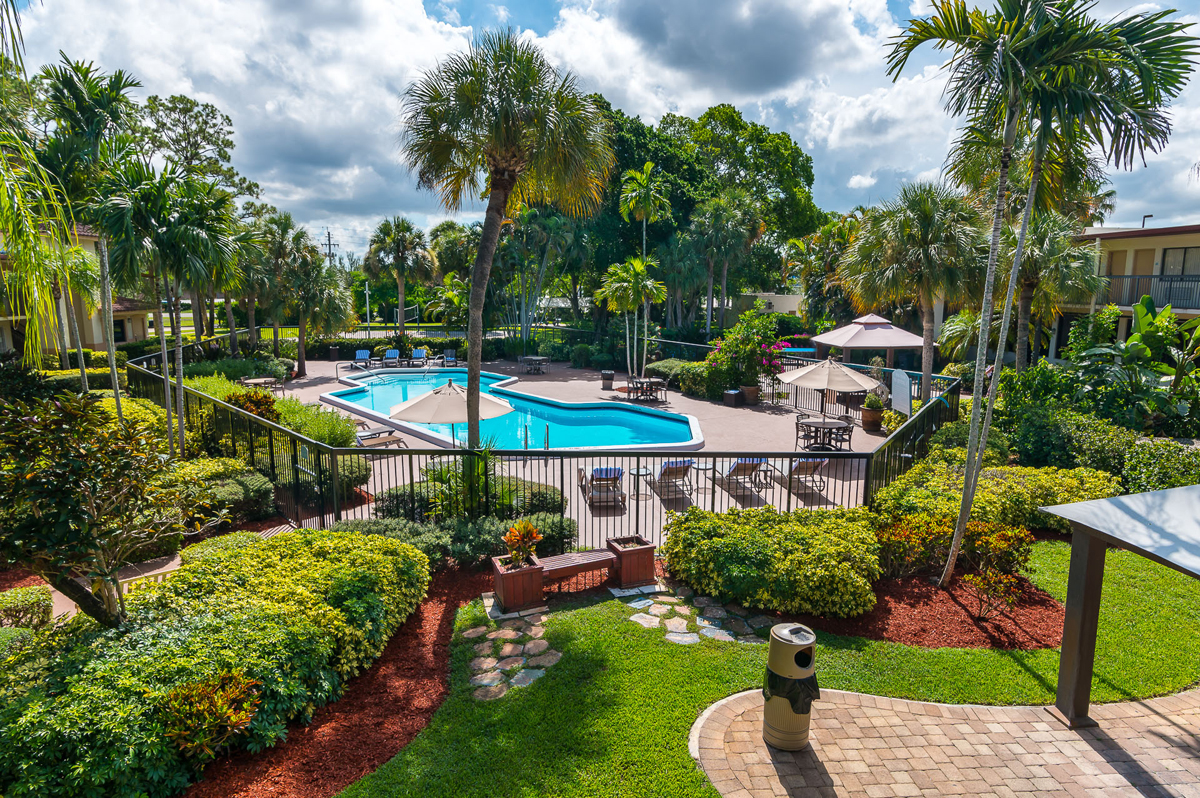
x=333, y=354
x=606, y=379
x=789, y=687
x=734, y=398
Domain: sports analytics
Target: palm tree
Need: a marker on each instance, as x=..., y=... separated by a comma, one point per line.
x=720, y=225
x=500, y=119
x=918, y=247
x=617, y=289
x=682, y=270
x=283, y=243
x=644, y=197
x=398, y=250
x=450, y=302
x=314, y=291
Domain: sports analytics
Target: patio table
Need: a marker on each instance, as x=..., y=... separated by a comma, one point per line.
x=535, y=364
x=824, y=428
x=644, y=475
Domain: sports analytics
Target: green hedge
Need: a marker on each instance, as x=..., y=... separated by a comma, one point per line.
x=245, y=498
x=68, y=380
x=809, y=561
x=26, y=607
x=493, y=348
x=704, y=380
x=955, y=436
x=1009, y=495
x=218, y=546
x=10, y=638
x=667, y=370
x=282, y=624
x=418, y=502
x=1161, y=464
x=96, y=360
x=1052, y=436
x=239, y=368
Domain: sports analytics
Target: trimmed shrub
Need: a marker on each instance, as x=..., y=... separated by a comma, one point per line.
x=603, y=360
x=326, y=426
x=68, y=380
x=667, y=370
x=1161, y=464
x=289, y=619
x=921, y=543
x=419, y=503
x=96, y=359
x=955, y=436
x=245, y=498
x=430, y=539
x=256, y=402
x=138, y=411
x=1050, y=436
x=23, y=384
x=1008, y=496
x=209, y=469
x=26, y=607
x=555, y=350
x=217, y=546
x=239, y=368
x=820, y=562
x=11, y=638
x=581, y=356
x=702, y=380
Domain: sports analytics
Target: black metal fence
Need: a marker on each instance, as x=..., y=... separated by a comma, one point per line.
x=608, y=493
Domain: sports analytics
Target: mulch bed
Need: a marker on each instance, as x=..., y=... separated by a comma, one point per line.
x=381, y=711
x=18, y=577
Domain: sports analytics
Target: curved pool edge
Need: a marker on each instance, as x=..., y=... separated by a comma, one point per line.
x=331, y=398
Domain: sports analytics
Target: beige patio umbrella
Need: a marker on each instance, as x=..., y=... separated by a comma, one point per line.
x=828, y=375
x=447, y=404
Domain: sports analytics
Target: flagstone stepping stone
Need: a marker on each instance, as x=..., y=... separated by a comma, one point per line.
x=683, y=609
x=484, y=649
x=490, y=693
x=510, y=650
x=625, y=592
x=714, y=612
x=487, y=679
x=737, y=626
x=545, y=660
x=513, y=624
x=677, y=625
x=717, y=634
x=683, y=639
x=684, y=592
x=509, y=663
x=641, y=603
x=751, y=639
x=536, y=647
x=483, y=663
x=504, y=634
x=708, y=623
x=737, y=609
x=648, y=621
x=760, y=621
x=475, y=632
x=529, y=613
x=537, y=617
x=652, y=589
x=527, y=677
x=705, y=601
x=659, y=610
x=667, y=599
x=535, y=631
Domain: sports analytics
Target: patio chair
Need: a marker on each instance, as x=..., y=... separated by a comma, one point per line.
x=382, y=440
x=804, y=473
x=842, y=435
x=391, y=358
x=421, y=355
x=603, y=486
x=362, y=359
x=806, y=436
x=449, y=358
x=675, y=476
x=743, y=470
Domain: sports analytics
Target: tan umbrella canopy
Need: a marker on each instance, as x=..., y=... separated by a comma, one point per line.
x=829, y=375
x=870, y=332
x=447, y=404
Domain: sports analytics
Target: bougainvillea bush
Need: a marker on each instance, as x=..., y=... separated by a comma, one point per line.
x=235, y=645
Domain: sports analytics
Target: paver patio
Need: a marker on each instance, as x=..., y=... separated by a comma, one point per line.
x=873, y=746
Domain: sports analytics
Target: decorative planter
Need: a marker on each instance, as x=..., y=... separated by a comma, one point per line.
x=872, y=420
x=519, y=589
x=635, y=564
x=750, y=393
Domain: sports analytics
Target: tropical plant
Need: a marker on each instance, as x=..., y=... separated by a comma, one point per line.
x=920, y=246
x=521, y=540
x=313, y=289
x=500, y=120
x=450, y=302
x=627, y=287
x=682, y=270
x=644, y=197
x=284, y=243
x=398, y=250
x=725, y=230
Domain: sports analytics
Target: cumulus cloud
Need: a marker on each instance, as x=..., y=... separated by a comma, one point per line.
x=861, y=181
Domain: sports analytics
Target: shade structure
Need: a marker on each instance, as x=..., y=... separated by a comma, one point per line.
x=870, y=332
x=447, y=404
x=828, y=375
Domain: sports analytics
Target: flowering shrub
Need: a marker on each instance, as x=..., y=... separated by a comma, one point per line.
x=521, y=540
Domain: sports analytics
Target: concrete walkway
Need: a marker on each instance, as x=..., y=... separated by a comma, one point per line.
x=873, y=746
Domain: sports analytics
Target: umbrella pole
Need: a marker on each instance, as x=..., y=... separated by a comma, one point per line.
x=453, y=438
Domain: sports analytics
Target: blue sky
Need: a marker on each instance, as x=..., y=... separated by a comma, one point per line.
x=313, y=86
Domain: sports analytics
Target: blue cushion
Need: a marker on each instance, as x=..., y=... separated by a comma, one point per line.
x=752, y=459
x=362, y=354
x=392, y=353
x=678, y=463
x=609, y=472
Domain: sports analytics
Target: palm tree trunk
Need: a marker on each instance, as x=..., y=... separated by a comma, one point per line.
x=985, y=326
x=488, y=238
x=73, y=324
x=708, y=316
x=233, y=340
x=251, y=320
x=628, y=365
x=109, y=344
x=400, y=293
x=60, y=329
x=197, y=314
x=162, y=347
x=724, y=278
x=179, y=368
x=926, y=348
x=301, y=370
x=1035, y=343
x=1024, y=307
x=575, y=296
x=275, y=327
x=211, y=300
x=643, y=238
x=645, y=336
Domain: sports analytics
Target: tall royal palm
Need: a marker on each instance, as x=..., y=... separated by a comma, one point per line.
x=644, y=197
x=314, y=291
x=719, y=224
x=398, y=250
x=919, y=247
x=283, y=243
x=499, y=119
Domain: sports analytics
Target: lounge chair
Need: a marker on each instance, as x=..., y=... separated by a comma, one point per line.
x=373, y=432
x=362, y=359
x=391, y=358
x=603, y=486
x=418, y=355
x=742, y=470
x=449, y=357
x=675, y=476
x=804, y=473
x=381, y=441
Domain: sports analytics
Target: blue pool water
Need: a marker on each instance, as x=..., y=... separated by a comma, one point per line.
x=800, y=351
x=570, y=425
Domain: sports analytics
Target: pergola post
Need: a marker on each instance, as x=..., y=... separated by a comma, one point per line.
x=1078, y=655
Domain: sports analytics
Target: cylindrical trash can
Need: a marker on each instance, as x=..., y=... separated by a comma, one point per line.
x=789, y=687
x=606, y=379
x=333, y=354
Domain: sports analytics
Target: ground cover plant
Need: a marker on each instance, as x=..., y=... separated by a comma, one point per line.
x=611, y=718
x=239, y=642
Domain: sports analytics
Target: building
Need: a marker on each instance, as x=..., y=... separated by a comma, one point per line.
x=129, y=315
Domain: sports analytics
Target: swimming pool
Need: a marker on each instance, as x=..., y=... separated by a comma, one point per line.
x=534, y=420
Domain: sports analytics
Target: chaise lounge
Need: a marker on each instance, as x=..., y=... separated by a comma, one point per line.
x=603, y=486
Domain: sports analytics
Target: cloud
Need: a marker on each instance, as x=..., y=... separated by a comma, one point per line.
x=501, y=12
x=861, y=181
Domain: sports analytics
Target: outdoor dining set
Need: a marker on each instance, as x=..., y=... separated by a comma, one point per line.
x=646, y=389
x=677, y=478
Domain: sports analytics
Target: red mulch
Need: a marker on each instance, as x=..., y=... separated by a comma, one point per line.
x=18, y=577
x=380, y=712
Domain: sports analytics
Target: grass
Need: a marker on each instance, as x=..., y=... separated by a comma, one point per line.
x=612, y=717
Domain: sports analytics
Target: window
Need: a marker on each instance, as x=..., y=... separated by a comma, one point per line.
x=1181, y=261
x=118, y=331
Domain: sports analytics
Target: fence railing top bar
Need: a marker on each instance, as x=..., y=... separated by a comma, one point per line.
x=580, y=454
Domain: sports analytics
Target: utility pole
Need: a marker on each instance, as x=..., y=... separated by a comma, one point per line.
x=329, y=245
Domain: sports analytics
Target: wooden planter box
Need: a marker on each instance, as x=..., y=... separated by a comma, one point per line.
x=635, y=564
x=519, y=589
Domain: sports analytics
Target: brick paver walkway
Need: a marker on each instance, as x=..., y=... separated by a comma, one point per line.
x=872, y=746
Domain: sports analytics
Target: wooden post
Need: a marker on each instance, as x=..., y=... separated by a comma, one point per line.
x=1079, y=629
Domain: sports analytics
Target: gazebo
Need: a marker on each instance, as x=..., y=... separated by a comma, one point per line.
x=1163, y=526
x=871, y=332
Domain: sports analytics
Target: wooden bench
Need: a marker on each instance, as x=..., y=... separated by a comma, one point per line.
x=577, y=562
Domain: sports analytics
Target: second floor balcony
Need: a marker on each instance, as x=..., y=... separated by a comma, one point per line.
x=1182, y=292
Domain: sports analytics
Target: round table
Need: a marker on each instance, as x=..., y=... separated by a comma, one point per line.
x=825, y=426
x=643, y=474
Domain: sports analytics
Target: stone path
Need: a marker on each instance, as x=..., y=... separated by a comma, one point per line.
x=510, y=653
x=684, y=623
x=877, y=747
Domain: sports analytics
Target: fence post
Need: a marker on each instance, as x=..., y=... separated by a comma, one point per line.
x=320, y=477
x=866, y=493
x=412, y=490
x=337, y=487
x=296, y=483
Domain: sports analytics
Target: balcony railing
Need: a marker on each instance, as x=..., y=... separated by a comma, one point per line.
x=1182, y=292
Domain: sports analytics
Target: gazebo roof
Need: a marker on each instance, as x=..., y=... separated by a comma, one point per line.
x=1163, y=525
x=870, y=332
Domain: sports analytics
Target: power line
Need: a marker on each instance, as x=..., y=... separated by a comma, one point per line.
x=329, y=245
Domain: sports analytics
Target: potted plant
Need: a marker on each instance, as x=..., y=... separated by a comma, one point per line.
x=635, y=560
x=518, y=574
x=872, y=412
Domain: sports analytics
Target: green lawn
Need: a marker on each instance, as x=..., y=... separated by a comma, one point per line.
x=612, y=717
